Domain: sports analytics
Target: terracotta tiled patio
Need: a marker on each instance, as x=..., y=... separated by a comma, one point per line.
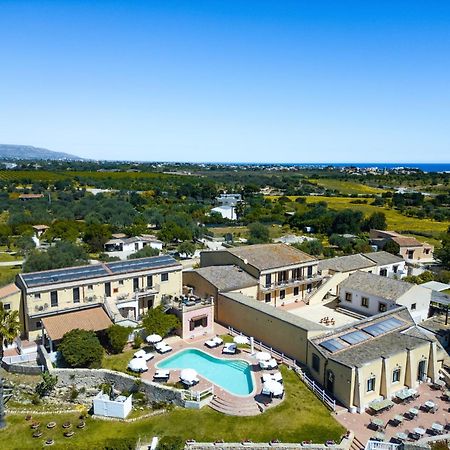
x=358, y=423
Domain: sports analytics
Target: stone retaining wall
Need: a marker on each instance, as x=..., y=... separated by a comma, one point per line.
x=93, y=378
x=26, y=369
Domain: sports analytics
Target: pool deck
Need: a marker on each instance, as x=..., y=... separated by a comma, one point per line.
x=229, y=401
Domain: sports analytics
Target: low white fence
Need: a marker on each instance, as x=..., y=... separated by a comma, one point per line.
x=376, y=445
x=198, y=396
x=18, y=359
x=293, y=364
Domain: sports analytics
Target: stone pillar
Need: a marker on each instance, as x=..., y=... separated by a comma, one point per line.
x=409, y=370
x=432, y=363
x=385, y=390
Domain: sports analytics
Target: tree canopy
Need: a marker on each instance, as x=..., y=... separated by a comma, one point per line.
x=81, y=348
x=62, y=254
x=157, y=321
x=117, y=337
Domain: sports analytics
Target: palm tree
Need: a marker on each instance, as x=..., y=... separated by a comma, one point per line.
x=9, y=330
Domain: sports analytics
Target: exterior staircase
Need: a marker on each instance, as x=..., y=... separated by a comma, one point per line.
x=328, y=286
x=357, y=444
x=236, y=407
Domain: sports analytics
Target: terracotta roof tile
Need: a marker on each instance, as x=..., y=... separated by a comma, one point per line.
x=93, y=319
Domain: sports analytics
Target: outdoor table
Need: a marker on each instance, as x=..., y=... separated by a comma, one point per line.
x=398, y=418
x=437, y=427
x=401, y=436
x=381, y=405
x=419, y=431
x=412, y=392
x=377, y=422
x=429, y=404
x=403, y=394
x=447, y=394
x=440, y=383
x=379, y=436
x=413, y=411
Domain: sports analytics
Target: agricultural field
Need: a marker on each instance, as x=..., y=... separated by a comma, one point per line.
x=47, y=176
x=396, y=220
x=347, y=187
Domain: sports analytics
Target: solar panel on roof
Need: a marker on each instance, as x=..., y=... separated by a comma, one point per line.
x=62, y=275
x=355, y=337
x=134, y=265
x=383, y=327
x=332, y=345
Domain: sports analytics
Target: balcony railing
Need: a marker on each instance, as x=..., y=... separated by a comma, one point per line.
x=154, y=289
x=291, y=282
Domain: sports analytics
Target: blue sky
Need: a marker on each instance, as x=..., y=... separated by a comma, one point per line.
x=264, y=81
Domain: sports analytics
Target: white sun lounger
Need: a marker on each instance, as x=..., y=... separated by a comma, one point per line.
x=214, y=342
x=162, y=347
x=139, y=354
x=161, y=374
x=276, y=376
x=229, y=349
x=268, y=365
x=148, y=356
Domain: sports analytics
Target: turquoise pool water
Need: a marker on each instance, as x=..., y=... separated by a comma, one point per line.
x=233, y=375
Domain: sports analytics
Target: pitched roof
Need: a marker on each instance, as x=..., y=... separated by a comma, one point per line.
x=388, y=343
x=91, y=319
x=91, y=271
x=271, y=256
x=227, y=278
x=346, y=263
x=383, y=258
x=369, y=283
x=405, y=241
x=8, y=290
x=280, y=314
x=26, y=196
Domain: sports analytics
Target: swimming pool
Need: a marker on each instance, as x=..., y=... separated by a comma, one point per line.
x=235, y=375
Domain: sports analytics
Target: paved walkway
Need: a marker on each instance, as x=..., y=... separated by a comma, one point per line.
x=358, y=423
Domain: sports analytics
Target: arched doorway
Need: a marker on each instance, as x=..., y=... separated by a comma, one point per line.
x=330, y=381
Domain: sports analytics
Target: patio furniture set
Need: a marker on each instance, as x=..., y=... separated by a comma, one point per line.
x=417, y=433
x=141, y=357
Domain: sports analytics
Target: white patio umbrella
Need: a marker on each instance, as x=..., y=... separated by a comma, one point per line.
x=153, y=338
x=137, y=365
x=263, y=356
x=273, y=387
x=239, y=339
x=188, y=375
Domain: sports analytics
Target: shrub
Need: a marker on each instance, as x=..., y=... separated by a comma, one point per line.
x=47, y=384
x=73, y=393
x=81, y=348
x=117, y=337
x=137, y=341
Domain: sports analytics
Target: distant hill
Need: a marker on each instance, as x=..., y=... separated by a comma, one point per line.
x=28, y=152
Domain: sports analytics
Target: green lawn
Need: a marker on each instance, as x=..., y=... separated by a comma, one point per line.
x=300, y=417
x=8, y=274
x=7, y=257
x=119, y=362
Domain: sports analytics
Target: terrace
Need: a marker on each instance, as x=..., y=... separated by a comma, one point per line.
x=397, y=423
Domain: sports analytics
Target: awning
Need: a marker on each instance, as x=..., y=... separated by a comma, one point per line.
x=91, y=319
